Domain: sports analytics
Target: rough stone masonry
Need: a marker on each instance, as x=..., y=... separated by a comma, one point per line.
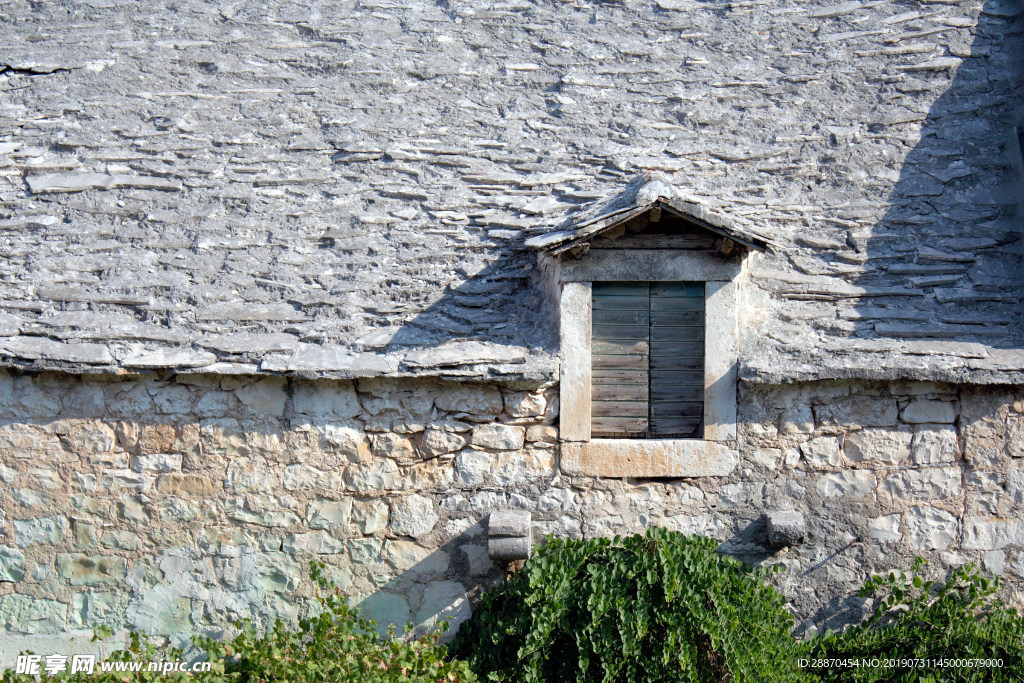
x=179, y=505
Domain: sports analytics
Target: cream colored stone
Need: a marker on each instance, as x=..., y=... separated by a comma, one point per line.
x=542, y=434
x=370, y=515
x=187, y=485
x=650, y=458
x=437, y=442
x=930, y=528
x=886, y=445
x=852, y=483
x=574, y=385
x=822, y=452
x=520, y=404
x=395, y=446
x=498, y=436
x=934, y=444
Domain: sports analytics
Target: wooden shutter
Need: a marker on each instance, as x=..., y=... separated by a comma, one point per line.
x=677, y=359
x=619, y=359
x=647, y=359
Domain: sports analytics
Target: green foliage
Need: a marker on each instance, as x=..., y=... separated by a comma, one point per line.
x=923, y=621
x=658, y=607
x=335, y=645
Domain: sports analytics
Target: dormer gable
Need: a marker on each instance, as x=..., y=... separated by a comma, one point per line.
x=648, y=214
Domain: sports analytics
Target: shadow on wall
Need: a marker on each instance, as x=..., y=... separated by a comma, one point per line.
x=952, y=233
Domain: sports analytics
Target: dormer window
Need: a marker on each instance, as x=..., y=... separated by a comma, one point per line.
x=649, y=335
x=647, y=360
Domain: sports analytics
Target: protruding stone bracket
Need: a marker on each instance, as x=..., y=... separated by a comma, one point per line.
x=785, y=528
x=509, y=536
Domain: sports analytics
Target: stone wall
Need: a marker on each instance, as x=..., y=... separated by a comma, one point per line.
x=179, y=504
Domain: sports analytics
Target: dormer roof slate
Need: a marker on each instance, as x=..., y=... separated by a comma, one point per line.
x=647, y=191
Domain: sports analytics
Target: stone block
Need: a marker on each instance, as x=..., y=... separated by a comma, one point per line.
x=83, y=535
x=131, y=509
x=989, y=533
x=265, y=397
x=443, y=600
x=365, y=551
x=822, y=452
x=151, y=438
x=245, y=475
x=498, y=436
x=387, y=609
x=347, y=441
x=797, y=419
x=260, y=510
x=851, y=483
x=437, y=442
x=1015, y=436
x=156, y=462
x=120, y=540
x=395, y=446
x=934, y=444
x=317, y=542
x=542, y=434
x=785, y=528
x=370, y=515
x=478, y=400
x=885, y=529
x=328, y=514
x=471, y=466
x=325, y=399
x=858, y=411
x=406, y=556
x=187, y=485
x=11, y=561
x=25, y=614
x=926, y=484
x=412, y=516
x=930, y=528
x=378, y=475
x=113, y=480
x=177, y=511
x=922, y=410
x=884, y=445
x=523, y=404
x=278, y=572
x=306, y=478
x=92, y=570
x=41, y=530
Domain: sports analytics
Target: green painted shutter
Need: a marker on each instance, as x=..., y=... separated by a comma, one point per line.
x=647, y=359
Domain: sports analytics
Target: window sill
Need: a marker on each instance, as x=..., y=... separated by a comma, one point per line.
x=619, y=458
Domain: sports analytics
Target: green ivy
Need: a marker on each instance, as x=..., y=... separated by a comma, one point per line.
x=335, y=645
x=658, y=607
x=918, y=626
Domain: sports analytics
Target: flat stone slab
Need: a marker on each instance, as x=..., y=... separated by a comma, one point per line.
x=649, y=458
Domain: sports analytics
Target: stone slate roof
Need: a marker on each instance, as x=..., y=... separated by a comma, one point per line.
x=645, y=192
x=346, y=187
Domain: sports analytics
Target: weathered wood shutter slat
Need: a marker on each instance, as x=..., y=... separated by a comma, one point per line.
x=620, y=359
x=677, y=359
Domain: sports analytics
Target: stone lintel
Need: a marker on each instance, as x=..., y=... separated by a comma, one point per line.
x=648, y=458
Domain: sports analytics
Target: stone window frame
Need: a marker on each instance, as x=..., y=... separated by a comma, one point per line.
x=712, y=455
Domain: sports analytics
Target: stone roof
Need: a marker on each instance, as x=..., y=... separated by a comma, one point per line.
x=646, y=192
x=347, y=187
